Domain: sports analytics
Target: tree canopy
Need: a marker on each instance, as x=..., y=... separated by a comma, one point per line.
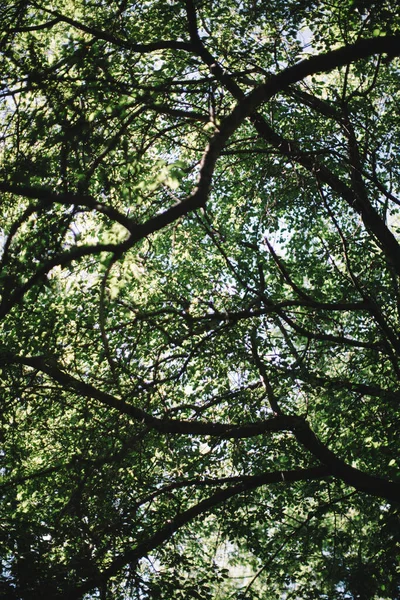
x=200, y=303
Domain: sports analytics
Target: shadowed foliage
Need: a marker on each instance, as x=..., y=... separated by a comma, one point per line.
x=199, y=279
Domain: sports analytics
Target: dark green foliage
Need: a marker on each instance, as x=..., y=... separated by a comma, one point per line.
x=199, y=315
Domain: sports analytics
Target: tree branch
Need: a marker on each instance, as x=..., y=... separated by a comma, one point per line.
x=100, y=34
x=162, y=425
x=363, y=482
x=164, y=533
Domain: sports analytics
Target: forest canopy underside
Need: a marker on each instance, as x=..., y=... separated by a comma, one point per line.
x=199, y=299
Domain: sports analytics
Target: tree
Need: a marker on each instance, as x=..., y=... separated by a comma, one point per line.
x=200, y=299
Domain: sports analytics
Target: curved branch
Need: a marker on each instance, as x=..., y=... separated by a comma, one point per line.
x=165, y=532
x=100, y=34
x=247, y=107
x=10, y=301
x=47, y=197
x=46, y=25
x=170, y=426
x=363, y=482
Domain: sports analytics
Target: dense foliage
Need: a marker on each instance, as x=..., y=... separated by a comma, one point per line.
x=200, y=304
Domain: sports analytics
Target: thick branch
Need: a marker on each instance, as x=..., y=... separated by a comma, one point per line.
x=47, y=197
x=170, y=426
x=100, y=34
x=363, y=482
x=8, y=302
x=299, y=426
x=167, y=531
x=247, y=106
